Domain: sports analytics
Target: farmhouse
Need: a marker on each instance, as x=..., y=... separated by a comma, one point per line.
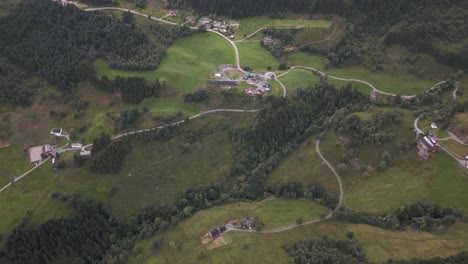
x=217, y=231
x=56, y=132
x=428, y=143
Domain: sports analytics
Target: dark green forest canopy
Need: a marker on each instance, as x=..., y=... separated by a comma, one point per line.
x=60, y=42
x=243, y=8
x=16, y=87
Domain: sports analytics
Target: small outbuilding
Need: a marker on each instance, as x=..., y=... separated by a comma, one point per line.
x=56, y=132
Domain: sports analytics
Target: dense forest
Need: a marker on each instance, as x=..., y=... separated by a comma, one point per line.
x=87, y=234
x=61, y=42
x=16, y=87
x=423, y=215
x=326, y=251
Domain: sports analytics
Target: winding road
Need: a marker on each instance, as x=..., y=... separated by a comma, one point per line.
x=233, y=44
x=374, y=89
x=313, y=221
x=276, y=78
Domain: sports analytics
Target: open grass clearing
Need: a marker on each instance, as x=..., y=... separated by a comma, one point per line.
x=271, y=213
x=449, y=184
x=305, y=166
x=251, y=24
x=253, y=55
x=395, y=80
x=187, y=63
x=380, y=245
x=299, y=78
x=31, y=194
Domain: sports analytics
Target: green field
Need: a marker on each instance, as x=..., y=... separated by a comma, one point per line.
x=299, y=78
x=182, y=244
x=31, y=194
x=449, y=184
x=271, y=213
x=305, y=166
x=404, y=84
x=186, y=65
x=251, y=24
x=253, y=55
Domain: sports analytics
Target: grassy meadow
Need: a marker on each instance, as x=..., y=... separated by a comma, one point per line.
x=186, y=65
x=251, y=24
x=253, y=55
x=305, y=166
x=299, y=78
x=182, y=244
x=405, y=84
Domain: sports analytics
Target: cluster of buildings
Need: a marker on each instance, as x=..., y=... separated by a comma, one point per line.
x=218, y=25
x=255, y=79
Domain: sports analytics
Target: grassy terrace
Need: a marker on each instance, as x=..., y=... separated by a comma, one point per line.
x=305, y=166
x=396, y=81
x=186, y=65
x=251, y=24
x=252, y=54
x=182, y=244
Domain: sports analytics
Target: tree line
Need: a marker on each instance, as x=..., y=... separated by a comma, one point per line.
x=326, y=250
x=61, y=42
x=16, y=87
x=86, y=235
x=111, y=158
x=245, y=8
x=422, y=215
x=201, y=96
x=133, y=90
x=370, y=131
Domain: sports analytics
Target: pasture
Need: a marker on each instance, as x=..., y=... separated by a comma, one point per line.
x=186, y=65
x=251, y=24
x=253, y=55
x=305, y=166
x=182, y=244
